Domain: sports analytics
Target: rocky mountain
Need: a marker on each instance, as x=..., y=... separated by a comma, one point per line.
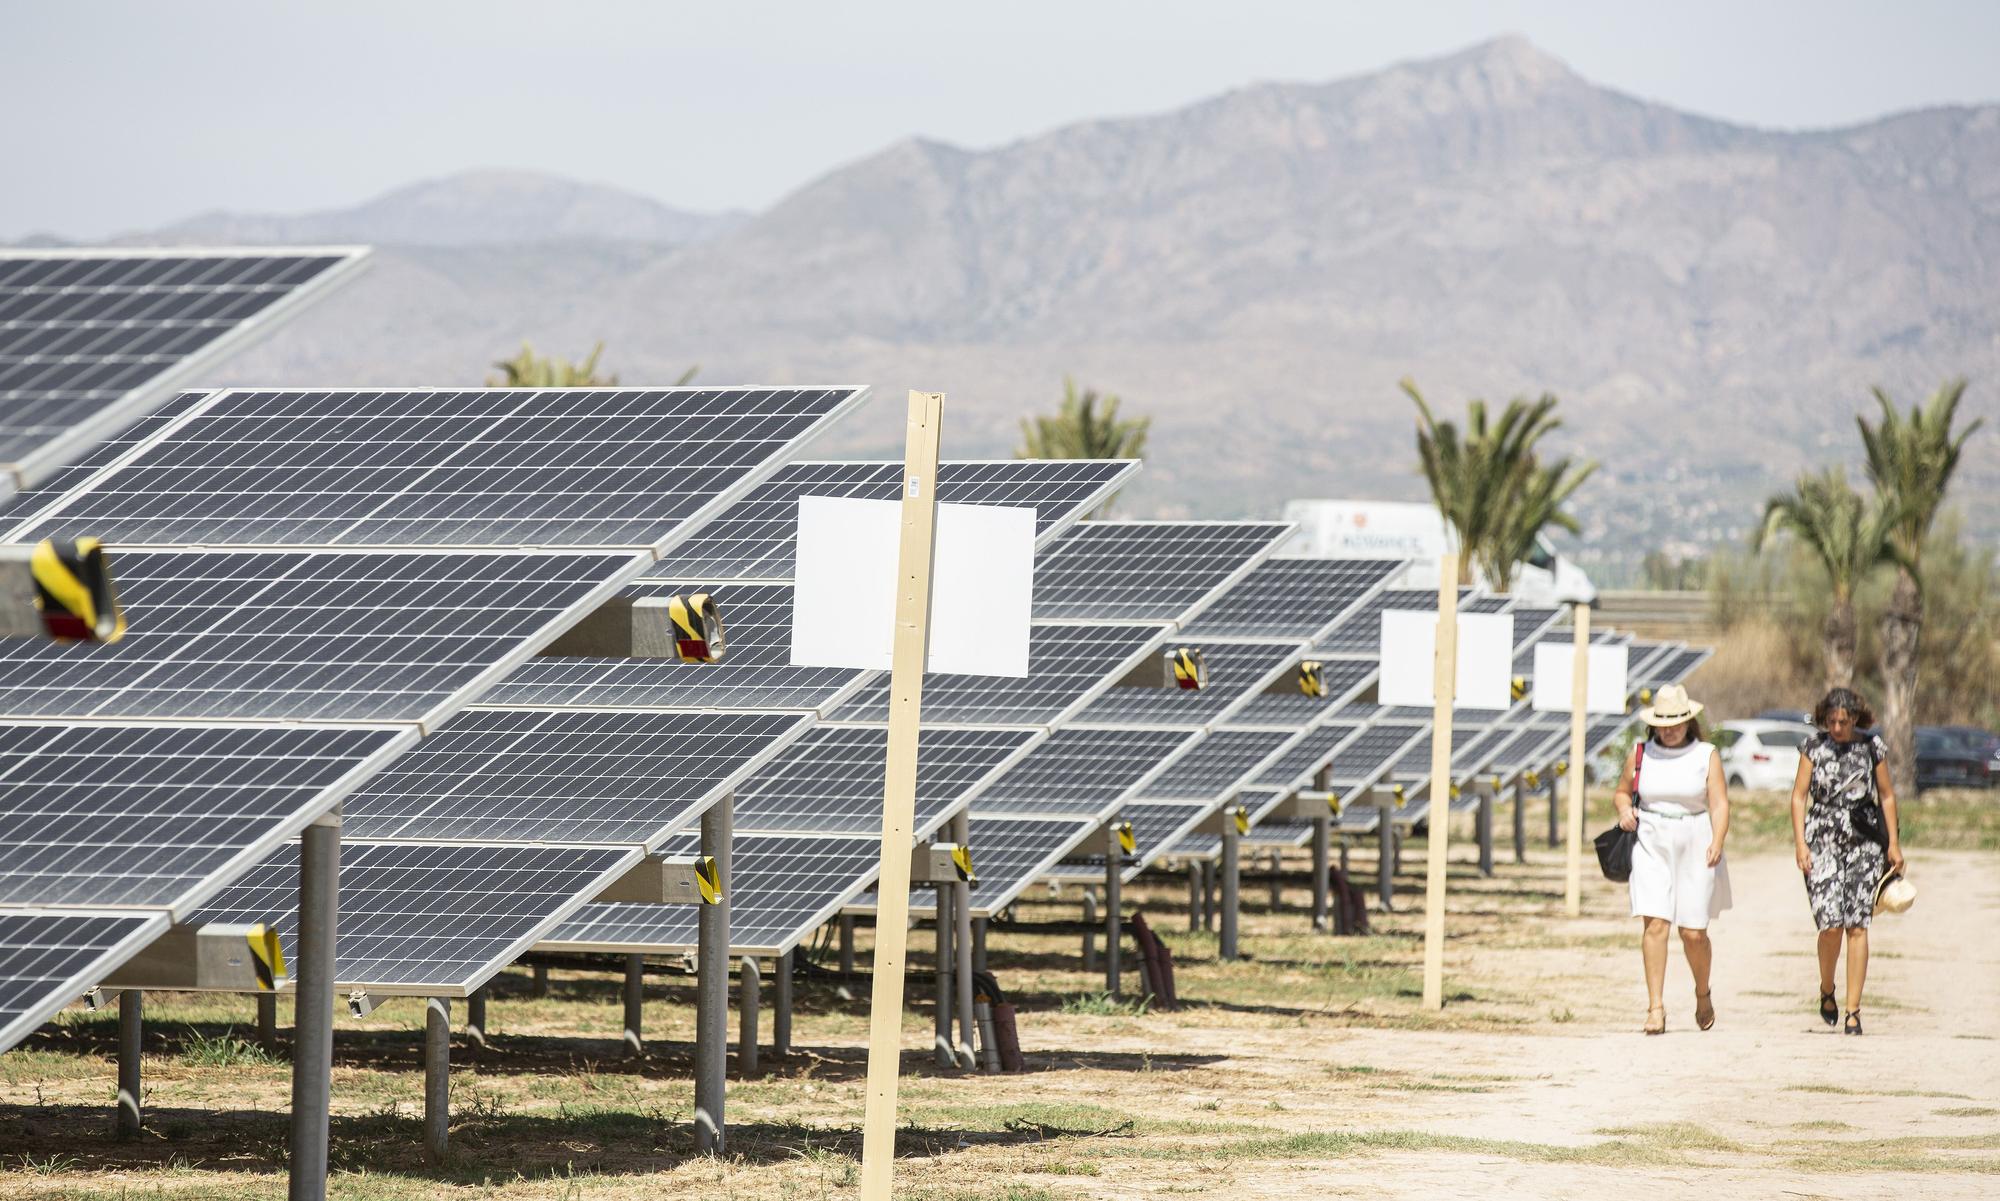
x=474, y=208
x=1256, y=271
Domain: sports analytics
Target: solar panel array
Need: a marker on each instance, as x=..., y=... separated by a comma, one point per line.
x=1081, y=771
x=1237, y=673
x=1070, y=665
x=1144, y=570
x=90, y=339
x=1292, y=599
x=48, y=957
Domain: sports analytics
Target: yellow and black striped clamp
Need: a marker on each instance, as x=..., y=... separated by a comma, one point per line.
x=1128, y=839
x=961, y=862
x=1534, y=779
x=1333, y=803
x=1562, y=767
x=1645, y=696
x=697, y=627
x=73, y=587
x=1454, y=792
x=1242, y=816
x=1312, y=680
x=1190, y=671
x=267, y=956
x=1518, y=688
x=1400, y=798
x=708, y=878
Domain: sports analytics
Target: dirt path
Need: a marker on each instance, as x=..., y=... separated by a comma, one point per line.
x=1769, y=1103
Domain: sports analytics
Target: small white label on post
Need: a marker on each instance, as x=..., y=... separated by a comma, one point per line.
x=1555, y=667
x=1409, y=659
x=844, y=586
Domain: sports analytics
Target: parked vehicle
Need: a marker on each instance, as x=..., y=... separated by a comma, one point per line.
x=1797, y=716
x=1948, y=759
x=1761, y=755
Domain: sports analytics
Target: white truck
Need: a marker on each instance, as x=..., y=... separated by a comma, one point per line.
x=1381, y=529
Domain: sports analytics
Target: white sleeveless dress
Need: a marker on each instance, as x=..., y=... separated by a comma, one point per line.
x=1671, y=878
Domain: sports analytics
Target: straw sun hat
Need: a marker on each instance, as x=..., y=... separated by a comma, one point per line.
x=1894, y=894
x=1670, y=707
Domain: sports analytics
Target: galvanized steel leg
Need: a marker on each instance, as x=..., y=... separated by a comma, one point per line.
x=312, y=1020
x=961, y=942
x=437, y=1078
x=781, y=1010
x=1385, y=862
x=941, y=1042
x=1521, y=821
x=1114, y=906
x=635, y=1006
x=979, y=945
x=1194, y=895
x=475, y=1020
x=540, y=988
x=267, y=1020
x=1486, y=834
x=1275, y=863
x=1555, y=802
x=1322, y=867
x=748, y=1002
x=711, y=1006
x=131, y=1023
x=1208, y=894
x=1231, y=887
x=847, y=944
x=1090, y=916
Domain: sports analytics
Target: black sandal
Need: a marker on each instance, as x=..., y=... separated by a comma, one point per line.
x=1853, y=1025
x=1829, y=1010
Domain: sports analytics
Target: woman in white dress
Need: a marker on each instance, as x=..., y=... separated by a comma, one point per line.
x=1672, y=792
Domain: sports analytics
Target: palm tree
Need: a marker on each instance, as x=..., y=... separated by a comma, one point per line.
x=531, y=370
x=1493, y=490
x=1086, y=426
x=1911, y=459
x=1849, y=535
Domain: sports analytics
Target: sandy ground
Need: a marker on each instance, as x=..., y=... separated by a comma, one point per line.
x=1927, y=1071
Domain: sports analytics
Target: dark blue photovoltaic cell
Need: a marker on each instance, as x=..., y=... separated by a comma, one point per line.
x=47, y=958
x=1145, y=570
x=831, y=780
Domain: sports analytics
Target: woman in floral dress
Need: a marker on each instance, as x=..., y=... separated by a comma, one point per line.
x=1841, y=771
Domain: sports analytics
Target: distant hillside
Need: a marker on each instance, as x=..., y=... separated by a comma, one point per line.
x=470, y=209
x=1257, y=271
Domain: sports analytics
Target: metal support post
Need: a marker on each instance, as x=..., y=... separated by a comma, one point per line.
x=1114, y=906
x=1555, y=801
x=1231, y=887
x=1274, y=863
x=711, y=1004
x=437, y=1079
x=781, y=1010
x=1343, y=856
x=312, y=1018
x=1208, y=894
x=1486, y=834
x=635, y=1006
x=748, y=1001
x=1195, y=895
x=1322, y=867
x=847, y=944
x=1579, y=723
x=131, y=1023
x=1385, y=861
x=961, y=941
x=267, y=1020
x=979, y=945
x=941, y=1049
x=540, y=988
x=475, y=1020
x=1090, y=916
x=1521, y=820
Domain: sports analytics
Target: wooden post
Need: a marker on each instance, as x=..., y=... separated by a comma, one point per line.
x=906, y=689
x=1444, y=684
x=1579, y=693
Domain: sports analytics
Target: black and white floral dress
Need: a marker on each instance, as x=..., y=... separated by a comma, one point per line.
x=1846, y=865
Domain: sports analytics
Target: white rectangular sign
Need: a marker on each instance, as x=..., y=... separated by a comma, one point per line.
x=844, y=586
x=1409, y=658
x=1555, y=665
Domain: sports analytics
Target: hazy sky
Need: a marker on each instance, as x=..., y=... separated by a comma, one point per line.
x=128, y=115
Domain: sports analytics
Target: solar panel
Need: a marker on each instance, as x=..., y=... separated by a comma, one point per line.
x=1290, y=709
x=1363, y=761
x=1292, y=598
x=1146, y=570
x=427, y=919
x=1278, y=832
x=1237, y=672
x=781, y=886
x=830, y=781
x=1415, y=762
x=1360, y=631
x=756, y=673
x=306, y=635
x=1677, y=666
x=1217, y=765
x=1068, y=665
x=1082, y=771
x=90, y=461
x=1303, y=759
x=1157, y=825
x=1008, y=854
x=89, y=339
x=1195, y=846
x=107, y=815
x=505, y=467
x=754, y=537
x=48, y=958
x=515, y=775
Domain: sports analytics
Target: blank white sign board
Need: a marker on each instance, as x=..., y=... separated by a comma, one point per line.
x=1555, y=667
x=844, y=586
x=1409, y=657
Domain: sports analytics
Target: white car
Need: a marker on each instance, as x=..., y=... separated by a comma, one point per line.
x=1761, y=756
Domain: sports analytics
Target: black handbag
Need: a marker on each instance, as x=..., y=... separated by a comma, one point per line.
x=1615, y=846
x=1865, y=815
